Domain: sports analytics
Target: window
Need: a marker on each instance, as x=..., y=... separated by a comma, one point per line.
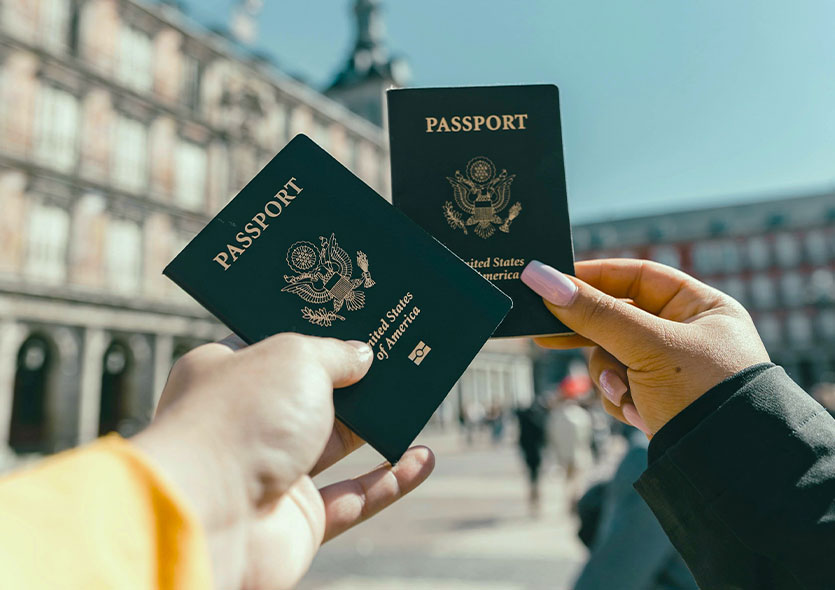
x=762, y=291
x=759, y=255
x=130, y=158
x=56, y=128
x=735, y=287
x=217, y=187
x=48, y=233
x=826, y=324
x=668, y=255
x=190, y=187
x=19, y=17
x=787, y=250
x=707, y=258
x=799, y=328
x=817, y=250
x=582, y=238
x=383, y=183
x=244, y=164
x=280, y=116
x=135, y=63
x=74, y=33
x=794, y=289
x=6, y=124
x=321, y=133
x=190, y=82
x=351, y=155
x=606, y=237
x=769, y=328
x=54, y=23
x=124, y=255
x=822, y=287
x=731, y=259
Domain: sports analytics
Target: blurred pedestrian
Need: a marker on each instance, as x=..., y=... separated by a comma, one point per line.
x=629, y=549
x=741, y=465
x=601, y=428
x=495, y=419
x=569, y=436
x=533, y=422
x=473, y=417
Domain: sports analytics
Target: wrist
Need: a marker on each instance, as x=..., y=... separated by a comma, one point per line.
x=205, y=474
x=689, y=418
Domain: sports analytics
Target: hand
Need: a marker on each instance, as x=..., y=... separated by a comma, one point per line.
x=241, y=432
x=661, y=338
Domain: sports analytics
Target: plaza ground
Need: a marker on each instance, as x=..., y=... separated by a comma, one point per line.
x=466, y=528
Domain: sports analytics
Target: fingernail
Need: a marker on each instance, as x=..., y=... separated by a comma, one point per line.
x=549, y=283
x=362, y=348
x=630, y=412
x=612, y=385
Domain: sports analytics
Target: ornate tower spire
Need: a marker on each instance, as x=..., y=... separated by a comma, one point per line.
x=244, y=25
x=369, y=70
x=370, y=31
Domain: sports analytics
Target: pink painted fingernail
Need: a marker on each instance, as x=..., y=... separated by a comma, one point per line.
x=612, y=385
x=549, y=283
x=630, y=412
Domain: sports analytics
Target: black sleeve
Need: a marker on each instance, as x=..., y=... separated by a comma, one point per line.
x=746, y=488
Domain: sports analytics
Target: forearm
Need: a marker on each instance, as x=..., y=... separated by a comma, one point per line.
x=98, y=517
x=746, y=495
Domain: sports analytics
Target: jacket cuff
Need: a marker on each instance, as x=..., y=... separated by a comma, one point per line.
x=689, y=417
x=755, y=431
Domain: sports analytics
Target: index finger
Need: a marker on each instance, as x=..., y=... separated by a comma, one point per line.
x=349, y=502
x=343, y=442
x=652, y=286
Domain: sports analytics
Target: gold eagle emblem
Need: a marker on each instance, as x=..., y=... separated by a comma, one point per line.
x=482, y=195
x=324, y=274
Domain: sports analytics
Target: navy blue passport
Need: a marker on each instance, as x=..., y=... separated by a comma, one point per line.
x=481, y=169
x=308, y=247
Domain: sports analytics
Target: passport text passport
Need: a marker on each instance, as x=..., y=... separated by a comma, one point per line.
x=481, y=169
x=307, y=247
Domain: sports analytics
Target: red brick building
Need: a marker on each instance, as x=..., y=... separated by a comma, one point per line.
x=776, y=257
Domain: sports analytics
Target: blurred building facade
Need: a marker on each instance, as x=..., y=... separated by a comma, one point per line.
x=124, y=126
x=775, y=257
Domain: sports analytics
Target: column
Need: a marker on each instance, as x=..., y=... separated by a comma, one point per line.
x=163, y=353
x=95, y=342
x=11, y=337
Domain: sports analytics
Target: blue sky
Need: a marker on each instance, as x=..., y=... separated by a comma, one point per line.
x=666, y=104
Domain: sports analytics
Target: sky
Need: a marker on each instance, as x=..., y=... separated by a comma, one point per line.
x=666, y=104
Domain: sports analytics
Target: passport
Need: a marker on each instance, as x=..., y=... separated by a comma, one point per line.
x=481, y=169
x=308, y=247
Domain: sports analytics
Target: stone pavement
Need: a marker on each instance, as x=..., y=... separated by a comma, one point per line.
x=466, y=528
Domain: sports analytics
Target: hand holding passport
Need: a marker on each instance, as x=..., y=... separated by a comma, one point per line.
x=307, y=247
x=332, y=258
x=241, y=430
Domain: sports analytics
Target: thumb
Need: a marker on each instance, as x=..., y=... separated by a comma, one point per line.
x=620, y=328
x=345, y=361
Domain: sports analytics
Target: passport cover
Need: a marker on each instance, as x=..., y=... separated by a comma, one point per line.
x=481, y=169
x=307, y=247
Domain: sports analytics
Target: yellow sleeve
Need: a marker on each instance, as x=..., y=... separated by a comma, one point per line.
x=100, y=516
